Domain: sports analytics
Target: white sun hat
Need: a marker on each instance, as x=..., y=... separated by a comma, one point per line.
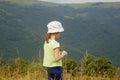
x=55, y=26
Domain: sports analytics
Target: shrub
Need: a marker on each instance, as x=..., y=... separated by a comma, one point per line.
x=71, y=66
x=19, y=67
x=101, y=66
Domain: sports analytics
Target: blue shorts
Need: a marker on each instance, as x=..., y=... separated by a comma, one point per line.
x=54, y=73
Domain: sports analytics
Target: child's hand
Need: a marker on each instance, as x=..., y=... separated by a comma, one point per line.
x=64, y=53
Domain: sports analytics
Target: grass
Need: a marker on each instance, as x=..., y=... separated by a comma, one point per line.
x=24, y=70
x=43, y=76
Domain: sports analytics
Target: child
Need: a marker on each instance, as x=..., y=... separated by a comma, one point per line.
x=52, y=54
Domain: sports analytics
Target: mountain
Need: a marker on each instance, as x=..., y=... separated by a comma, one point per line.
x=92, y=28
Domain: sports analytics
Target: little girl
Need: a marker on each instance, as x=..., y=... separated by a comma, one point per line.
x=52, y=54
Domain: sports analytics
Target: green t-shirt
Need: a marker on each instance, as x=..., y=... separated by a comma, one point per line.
x=49, y=60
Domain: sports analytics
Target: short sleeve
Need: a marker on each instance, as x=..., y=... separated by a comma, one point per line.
x=55, y=44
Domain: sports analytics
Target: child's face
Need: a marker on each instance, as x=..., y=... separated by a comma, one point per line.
x=58, y=34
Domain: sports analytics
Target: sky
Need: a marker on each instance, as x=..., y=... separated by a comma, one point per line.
x=79, y=1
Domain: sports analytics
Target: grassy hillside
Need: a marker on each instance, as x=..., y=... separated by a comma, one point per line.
x=88, y=27
x=29, y=2
x=93, y=5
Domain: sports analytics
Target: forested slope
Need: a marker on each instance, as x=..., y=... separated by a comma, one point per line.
x=94, y=28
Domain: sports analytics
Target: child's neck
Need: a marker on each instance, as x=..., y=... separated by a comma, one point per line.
x=52, y=37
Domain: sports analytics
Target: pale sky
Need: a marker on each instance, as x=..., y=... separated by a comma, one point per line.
x=79, y=1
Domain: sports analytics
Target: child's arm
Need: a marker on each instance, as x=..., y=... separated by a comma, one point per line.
x=58, y=54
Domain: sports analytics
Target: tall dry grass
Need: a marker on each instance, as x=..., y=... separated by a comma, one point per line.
x=42, y=75
x=35, y=71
